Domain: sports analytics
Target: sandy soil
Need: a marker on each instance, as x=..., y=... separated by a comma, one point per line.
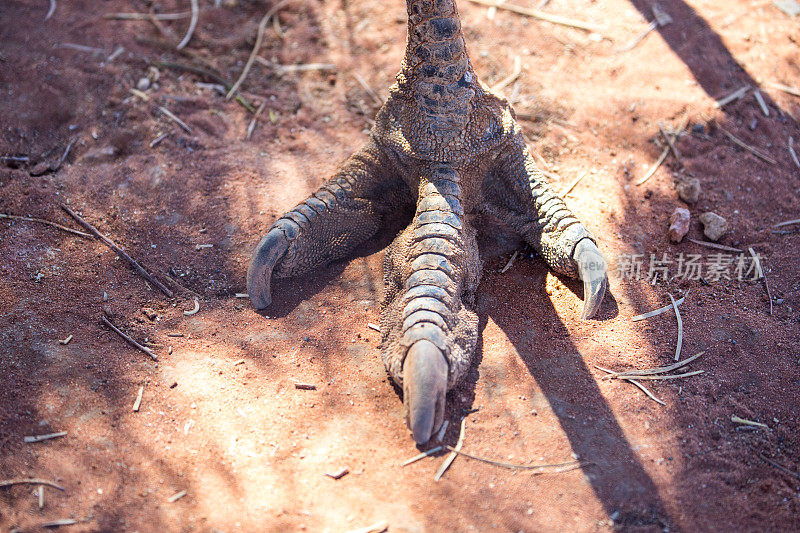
x=220, y=417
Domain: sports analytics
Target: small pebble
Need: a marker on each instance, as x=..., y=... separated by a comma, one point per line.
x=714, y=226
x=143, y=84
x=679, y=224
x=689, y=190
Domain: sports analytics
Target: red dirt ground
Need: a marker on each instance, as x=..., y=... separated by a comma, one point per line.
x=220, y=417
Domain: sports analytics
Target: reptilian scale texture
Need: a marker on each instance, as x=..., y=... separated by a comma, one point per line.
x=445, y=143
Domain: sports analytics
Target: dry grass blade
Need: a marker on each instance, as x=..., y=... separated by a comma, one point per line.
x=761, y=103
x=655, y=166
x=650, y=371
x=670, y=144
x=177, y=496
x=361, y=81
x=148, y=16
x=29, y=481
x=60, y=522
x=377, y=527
x=252, y=126
x=784, y=88
x=656, y=377
x=779, y=466
x=510, y=262
x=421, y=456
x=646, y=391
x=505, y=82
x=539, y=15
x=442, y=431
x=300, y=67
x=716, y=246
x=755, y=151
x=170, y=115
x=573, y=185
x=51, y=10
x=680, y=328
x=639, y=38
x=47, y=222
x=453, y=453
x=735, y=95
x=119, y=251
x=761, y=275
x=658, y=311
x=40, y=438
x=130, y=339
x=738, y=420
x=793, y=153
x=192, y=26
x=561, y=467
x=787, y=223
x=259, y=38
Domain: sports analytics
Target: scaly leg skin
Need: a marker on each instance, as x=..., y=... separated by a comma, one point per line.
x=517, y=193
x=428, y=328
x=346, y=211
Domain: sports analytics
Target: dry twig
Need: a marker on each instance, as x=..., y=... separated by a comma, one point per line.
x=51, y=10
x=377, y=527
x=505, y=82
x=680, y=328
x=47, y=222
x=658, y=311
x=130, y=339
x=421, y=456
x=670, y=144
x=539, y=15
x=177, y=496
x=361, y=81
x=573, y=185
x=138, y=403
x=29, y=481
x=784, y=88
x=510, y=262
x=119, y=251
x=148, y=16
x=170, y=115
x=735, y=95
x=755, y=151
x=787, y=223
x=738, y=420
x=453, y=453
x=649, y=371
x=561, y=467
x=259, y=38
x=761, y=103
x=40, y=438
x=716, y=246
x=252, y=126
x=655, y=166
x=757, y=262
x=376, y=327
x=793, y=153
x=779, y=466
x=60, y=522
x=192, y=25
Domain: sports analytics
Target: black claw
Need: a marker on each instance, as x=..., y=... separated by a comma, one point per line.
x=425, y=373
x=266, y=255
